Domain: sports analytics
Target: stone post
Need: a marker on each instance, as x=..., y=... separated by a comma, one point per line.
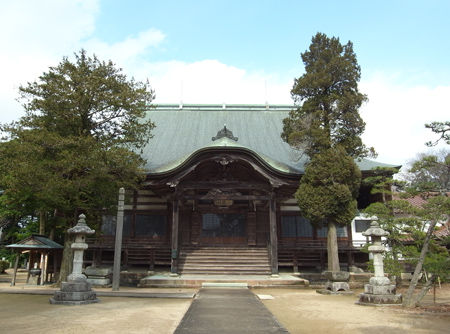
x=76, y=290
x=379, y=290
x=118, y=241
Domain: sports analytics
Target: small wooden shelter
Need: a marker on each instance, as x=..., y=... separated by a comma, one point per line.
x=40, y=249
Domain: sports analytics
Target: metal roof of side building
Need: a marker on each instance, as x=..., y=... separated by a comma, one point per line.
x=182, y=130
x=36, y=241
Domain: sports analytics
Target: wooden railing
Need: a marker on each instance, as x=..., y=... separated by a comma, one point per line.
x=139, y=251
x=318, y=244
x=312, y=253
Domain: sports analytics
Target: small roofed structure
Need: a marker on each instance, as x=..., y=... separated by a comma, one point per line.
x=40, y=248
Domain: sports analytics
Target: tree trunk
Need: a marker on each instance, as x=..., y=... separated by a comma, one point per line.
x=332, y=248
x=424, y=290
x=67, y=259
x=41, y=222
x=408, y=300
x=51, y=234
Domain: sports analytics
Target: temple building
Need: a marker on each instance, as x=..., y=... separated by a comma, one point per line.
x=218, y=198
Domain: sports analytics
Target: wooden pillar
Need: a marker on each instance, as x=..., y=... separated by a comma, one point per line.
x=350, y=259
x=55, y=265
x=41, y=266
x=44, y=269
x=174, y=252
x=251, y=228
x=273, y=236
x=30, y=264
x=16, y=264
x=118, y=242
x=196, y=228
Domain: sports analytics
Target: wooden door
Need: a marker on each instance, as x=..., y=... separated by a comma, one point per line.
x=223, y=229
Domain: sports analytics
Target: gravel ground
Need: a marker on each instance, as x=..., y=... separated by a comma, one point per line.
x=298, y=310
x=305, y=311
x=34, y=314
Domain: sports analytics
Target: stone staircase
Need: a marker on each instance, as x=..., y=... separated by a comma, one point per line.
x=224, y=261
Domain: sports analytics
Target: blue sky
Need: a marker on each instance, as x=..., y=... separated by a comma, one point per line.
x=245, y=52
x=402, y=36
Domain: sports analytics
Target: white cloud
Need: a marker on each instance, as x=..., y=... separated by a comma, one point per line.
x=129, y=51
x=396, y=113
x=35, y=35
x=210, y=81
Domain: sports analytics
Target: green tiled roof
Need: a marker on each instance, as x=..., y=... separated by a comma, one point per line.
x=183, y=130
x=36, y=241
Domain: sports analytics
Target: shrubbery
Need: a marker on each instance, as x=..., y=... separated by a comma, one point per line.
x=3, y=266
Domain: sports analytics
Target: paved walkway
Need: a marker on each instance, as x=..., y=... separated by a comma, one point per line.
x=226, y=311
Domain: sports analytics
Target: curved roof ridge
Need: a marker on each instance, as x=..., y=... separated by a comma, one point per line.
x=225, y=143
x=180, y=132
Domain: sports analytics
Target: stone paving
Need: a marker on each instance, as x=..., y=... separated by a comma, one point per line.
x=226, y=311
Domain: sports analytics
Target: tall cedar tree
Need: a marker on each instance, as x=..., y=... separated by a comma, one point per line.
x=327, y=125
x=76, y=145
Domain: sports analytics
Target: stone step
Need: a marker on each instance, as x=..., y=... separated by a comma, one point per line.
x=224, y=260
x=222, y=267
x=251, y=279
x=223, y=253
x=228, y=260
x=222, y=257
x=227, y=272
x=225, y=249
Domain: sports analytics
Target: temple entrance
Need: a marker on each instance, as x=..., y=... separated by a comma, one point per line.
x=224, y=212
x=223, y=229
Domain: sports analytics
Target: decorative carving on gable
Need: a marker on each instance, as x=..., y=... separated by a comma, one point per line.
x=224, y=133
x=224, y=160
x=221, y=194
x=173, y=184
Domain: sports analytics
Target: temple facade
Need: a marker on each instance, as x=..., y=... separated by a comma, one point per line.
x=219, y=198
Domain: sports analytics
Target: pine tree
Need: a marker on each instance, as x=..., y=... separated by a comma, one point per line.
x=77, y=144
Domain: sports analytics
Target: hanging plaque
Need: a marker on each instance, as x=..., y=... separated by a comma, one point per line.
x=223, y=202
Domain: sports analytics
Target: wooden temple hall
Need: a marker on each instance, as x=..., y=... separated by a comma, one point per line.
x=219, y=198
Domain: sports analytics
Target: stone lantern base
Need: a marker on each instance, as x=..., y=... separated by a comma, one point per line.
x=74, y=293
x=337, y=283
x=379, y=291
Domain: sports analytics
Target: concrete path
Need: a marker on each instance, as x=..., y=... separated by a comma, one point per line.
x=104, y=293
x=226, y=311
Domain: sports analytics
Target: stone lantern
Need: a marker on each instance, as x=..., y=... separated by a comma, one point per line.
x=379, y=290
x=77, y=290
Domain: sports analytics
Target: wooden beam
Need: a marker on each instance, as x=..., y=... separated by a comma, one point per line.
x=233, y=197
x=174, y=253
x=273, y=236
x=225, y=185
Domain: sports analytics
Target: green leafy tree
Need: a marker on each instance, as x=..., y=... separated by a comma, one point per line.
x=430, y=179
x=77, y=144
x=430, y=173
x=380, y=182
x=327, y=124
x=406, y=222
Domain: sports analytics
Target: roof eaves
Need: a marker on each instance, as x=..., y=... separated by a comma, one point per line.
x=225, y=143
